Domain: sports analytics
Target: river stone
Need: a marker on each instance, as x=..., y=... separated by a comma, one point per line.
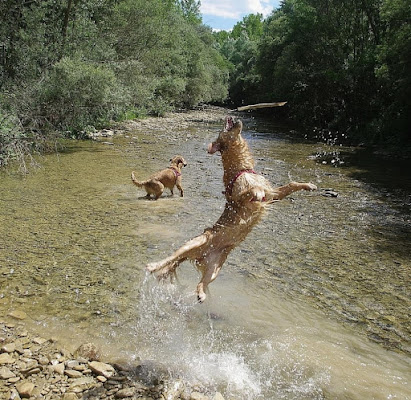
x=71, y=373
x=25, y=389
x=43, y=360
x=6, y=358
x=151, y=372
x=58, y=368
x=330, y=193
x=18, y=314
x=5, y=373
x=31, y=371
x=88, y=351
x=71, y=364
x=100, y=368
x=198, y=396
x=8, y=348
x=39, y=340
x=81, y=384
x=218, y=396
x=123, y=393
x=174, y=390
x=69, y=396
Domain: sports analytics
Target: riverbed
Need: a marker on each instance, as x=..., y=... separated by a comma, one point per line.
x=314, y=304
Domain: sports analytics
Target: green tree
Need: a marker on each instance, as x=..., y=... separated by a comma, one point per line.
x=393, y=68
x=67, y=64
x=252, y=24
x=320, y=56
x=240, y=48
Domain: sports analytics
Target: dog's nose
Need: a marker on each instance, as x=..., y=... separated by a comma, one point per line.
x=213, y=147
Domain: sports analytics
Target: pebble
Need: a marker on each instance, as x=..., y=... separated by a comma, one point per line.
x=5, y=373
x=69, y=396
x=18, y=314
x=59, y=368
x=6, y=358
x=8, y=348
x=101, y=368
x=123, y=393
x=25, y=389
x=198, y=396
x=71, y=373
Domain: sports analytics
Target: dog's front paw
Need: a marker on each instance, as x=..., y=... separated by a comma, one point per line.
x=153, y=267
x=310, y=186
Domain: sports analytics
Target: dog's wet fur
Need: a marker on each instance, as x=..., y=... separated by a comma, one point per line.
x=247, y=196
x=167, y=178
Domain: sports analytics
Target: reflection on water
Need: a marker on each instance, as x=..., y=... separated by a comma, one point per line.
x=314, y=304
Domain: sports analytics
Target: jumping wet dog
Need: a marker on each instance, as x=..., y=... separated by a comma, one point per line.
x=167, y=178
x=247, y=196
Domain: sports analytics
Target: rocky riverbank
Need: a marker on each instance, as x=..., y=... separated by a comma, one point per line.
x=175, y=121
x=33, y=367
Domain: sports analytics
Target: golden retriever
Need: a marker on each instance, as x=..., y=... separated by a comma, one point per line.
x=247, y=196
x=167, y=178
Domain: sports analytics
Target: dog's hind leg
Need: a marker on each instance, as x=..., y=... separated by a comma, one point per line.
x=189, y=250
x=283, y=191
x=154, y=187
x=210, y=268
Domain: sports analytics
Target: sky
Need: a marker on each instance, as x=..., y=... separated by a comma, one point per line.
x=224, y=14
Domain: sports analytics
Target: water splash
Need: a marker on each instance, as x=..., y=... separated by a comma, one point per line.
x=174, y=331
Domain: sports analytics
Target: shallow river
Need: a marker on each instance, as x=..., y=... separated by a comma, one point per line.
x=314, y=304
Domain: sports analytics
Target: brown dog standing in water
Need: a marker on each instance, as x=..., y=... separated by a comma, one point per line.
x=247, y=195
x=167, y=178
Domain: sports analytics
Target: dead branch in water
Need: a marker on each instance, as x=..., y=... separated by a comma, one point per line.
x=261, y=105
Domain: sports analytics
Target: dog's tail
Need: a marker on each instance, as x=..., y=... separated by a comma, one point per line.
x=135, y=181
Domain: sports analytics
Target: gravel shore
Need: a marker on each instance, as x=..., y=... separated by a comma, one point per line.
x=33, y=367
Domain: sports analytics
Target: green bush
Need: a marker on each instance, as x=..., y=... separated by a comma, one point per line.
x=77, y=93
x=16, y=143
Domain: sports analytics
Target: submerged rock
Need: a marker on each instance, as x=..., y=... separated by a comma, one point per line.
x=88, y=351
x=17, y=314
x=151, y=372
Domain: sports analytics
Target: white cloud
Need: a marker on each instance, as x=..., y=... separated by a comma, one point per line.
x=260, y=6
x=236, y=8
x=220, y=8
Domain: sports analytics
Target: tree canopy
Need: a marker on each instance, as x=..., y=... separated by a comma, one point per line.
x=341, y=65
x=66, y=65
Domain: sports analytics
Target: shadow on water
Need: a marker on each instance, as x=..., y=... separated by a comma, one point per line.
x=386, y=174
x=390, y=180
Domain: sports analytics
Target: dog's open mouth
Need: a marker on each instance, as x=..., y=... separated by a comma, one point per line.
x=216, y=146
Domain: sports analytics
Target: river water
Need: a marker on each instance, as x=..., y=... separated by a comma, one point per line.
x=314, y=304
